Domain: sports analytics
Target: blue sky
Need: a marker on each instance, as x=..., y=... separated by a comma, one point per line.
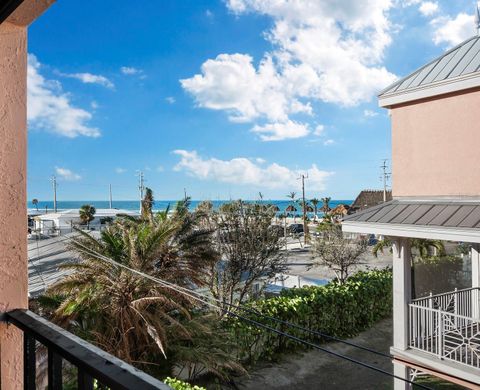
x=223, y=98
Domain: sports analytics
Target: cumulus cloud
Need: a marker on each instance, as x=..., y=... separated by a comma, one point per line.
x=129, y=70
x=319, y=130
x=50, y=109
x=120, y=170
x=89, y=78
x=245, y=171
x=453, y=31
x=328, y=142
x=428, y=8
x=67, y=174
x=280, y=131
x=170, y=99
x=327, y=51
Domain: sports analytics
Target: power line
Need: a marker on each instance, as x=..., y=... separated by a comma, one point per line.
x=256, y=323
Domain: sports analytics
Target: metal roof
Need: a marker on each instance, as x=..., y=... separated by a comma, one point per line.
x=462, y=60
x=462, y=214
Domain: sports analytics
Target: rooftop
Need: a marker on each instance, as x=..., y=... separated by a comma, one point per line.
x=455, y=70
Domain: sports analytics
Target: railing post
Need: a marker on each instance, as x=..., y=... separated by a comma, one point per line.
x=54, y=371
x=439, y=334
x=85, y=381
x=29, y=362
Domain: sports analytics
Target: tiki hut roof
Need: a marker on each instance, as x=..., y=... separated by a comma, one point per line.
x=367, y=199
x=341, y=209
x=290, y=208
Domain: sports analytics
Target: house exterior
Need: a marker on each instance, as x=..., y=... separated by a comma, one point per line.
x=21, y=330
x=436, y=195
x=369, y=198
x=63, y=221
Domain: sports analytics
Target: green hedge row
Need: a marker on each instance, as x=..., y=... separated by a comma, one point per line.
x=335, y=309
x=177, y=384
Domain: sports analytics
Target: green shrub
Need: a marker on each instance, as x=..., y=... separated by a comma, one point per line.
x=177, y=384
x=341, y=310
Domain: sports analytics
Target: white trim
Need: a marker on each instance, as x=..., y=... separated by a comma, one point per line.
x=413, y=231
x=459, y=83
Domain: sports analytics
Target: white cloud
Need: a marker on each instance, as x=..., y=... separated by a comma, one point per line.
x=160, y=168
x=370, y=113
x=94, y=105
x=170, y=99
x=453, y=31
x=89, y=78
x=319, y=130
x=328, y=142
x=67, y=174
x=329, y=51
x=246, y=171
x=130, y=70
x=50, y=109
x=120, y=170
x=281, y=131
x=428, y=8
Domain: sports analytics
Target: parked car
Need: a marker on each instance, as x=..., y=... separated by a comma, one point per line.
x=295, y=228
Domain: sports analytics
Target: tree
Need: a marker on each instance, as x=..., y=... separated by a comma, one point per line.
x=35, y=202
x=315, y=203
x=292, y=196
x=147, y=204
x=326, y=205
x=422, y=247
x=338, y=253
x=128, y=315
x=87, y=214
x=250, y=250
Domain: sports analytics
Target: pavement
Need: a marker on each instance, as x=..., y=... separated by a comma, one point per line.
x=315, y=369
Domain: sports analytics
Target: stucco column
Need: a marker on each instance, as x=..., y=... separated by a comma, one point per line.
x=402, y=290
x=13, y=213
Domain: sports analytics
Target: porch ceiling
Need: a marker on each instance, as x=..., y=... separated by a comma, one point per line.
x=455, y=220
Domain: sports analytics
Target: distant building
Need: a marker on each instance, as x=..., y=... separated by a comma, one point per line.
x=62, y=222
x=369, y=198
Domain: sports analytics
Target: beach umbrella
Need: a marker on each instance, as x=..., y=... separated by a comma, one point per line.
x=275, y=208
x=309, y=209
x=290, y=209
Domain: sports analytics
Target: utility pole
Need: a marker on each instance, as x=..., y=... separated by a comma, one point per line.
x=141, y=187
x=110, y=193
x=385, y=176
x=305, y=225
x=185, y=193
x=54, y=185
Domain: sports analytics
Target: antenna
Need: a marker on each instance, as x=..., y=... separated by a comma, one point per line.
x=305, y=225
x=141, y=186
x=54, y=185
x=477, y=18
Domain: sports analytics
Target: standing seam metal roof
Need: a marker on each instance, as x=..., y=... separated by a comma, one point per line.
x=461, y=60
x=453, y=214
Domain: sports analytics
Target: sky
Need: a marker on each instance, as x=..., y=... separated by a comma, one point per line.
x=222, y=99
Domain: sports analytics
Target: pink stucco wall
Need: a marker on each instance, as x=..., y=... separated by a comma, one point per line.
x=13, y=145
x=436, y=147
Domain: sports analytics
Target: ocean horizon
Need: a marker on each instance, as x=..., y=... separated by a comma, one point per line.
x=159, y=205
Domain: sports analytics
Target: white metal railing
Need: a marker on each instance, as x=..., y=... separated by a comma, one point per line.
x=447, y=326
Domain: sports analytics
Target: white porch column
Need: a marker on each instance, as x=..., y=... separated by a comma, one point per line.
x=402, y=290
x=475, y=255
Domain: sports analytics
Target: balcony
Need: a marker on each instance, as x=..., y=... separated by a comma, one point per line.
x=93, y=366
x=447, y=326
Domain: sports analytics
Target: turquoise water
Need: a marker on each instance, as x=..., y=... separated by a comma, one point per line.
x=159, y=204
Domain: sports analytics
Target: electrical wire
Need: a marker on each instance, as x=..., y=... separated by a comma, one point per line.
x=256, y=323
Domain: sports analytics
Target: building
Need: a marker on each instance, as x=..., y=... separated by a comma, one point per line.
x=436, y=195
x=369, y=198
x=63, y=221
x=20, y=329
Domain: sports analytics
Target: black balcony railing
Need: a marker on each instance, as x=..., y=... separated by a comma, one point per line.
x=92, y=363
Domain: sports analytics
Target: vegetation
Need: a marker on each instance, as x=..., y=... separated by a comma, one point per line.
x=87, y=214
x=177, y=384
x=250, y=250
x=147, y=204
x=35, y=202
x=326, y=205
x=315, y=202
x=341, y=310
x=338, y=253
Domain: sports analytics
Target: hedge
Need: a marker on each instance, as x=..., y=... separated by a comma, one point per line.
x=177, y=384
x=341, y=310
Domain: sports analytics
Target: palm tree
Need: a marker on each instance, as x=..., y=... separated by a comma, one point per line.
x=326, y=204
x=421, y=245
x=147, y=204
x=292, y=196
x=35, y=202
x=315, y=203
x=127, y=315
x=87, y=214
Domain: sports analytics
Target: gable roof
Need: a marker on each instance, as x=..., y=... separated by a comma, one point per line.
x=367, y=199
x=452, y=71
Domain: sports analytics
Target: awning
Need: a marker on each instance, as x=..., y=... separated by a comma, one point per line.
x=453, y=220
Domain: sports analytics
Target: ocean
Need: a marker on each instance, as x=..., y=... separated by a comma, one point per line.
x=159, y=204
